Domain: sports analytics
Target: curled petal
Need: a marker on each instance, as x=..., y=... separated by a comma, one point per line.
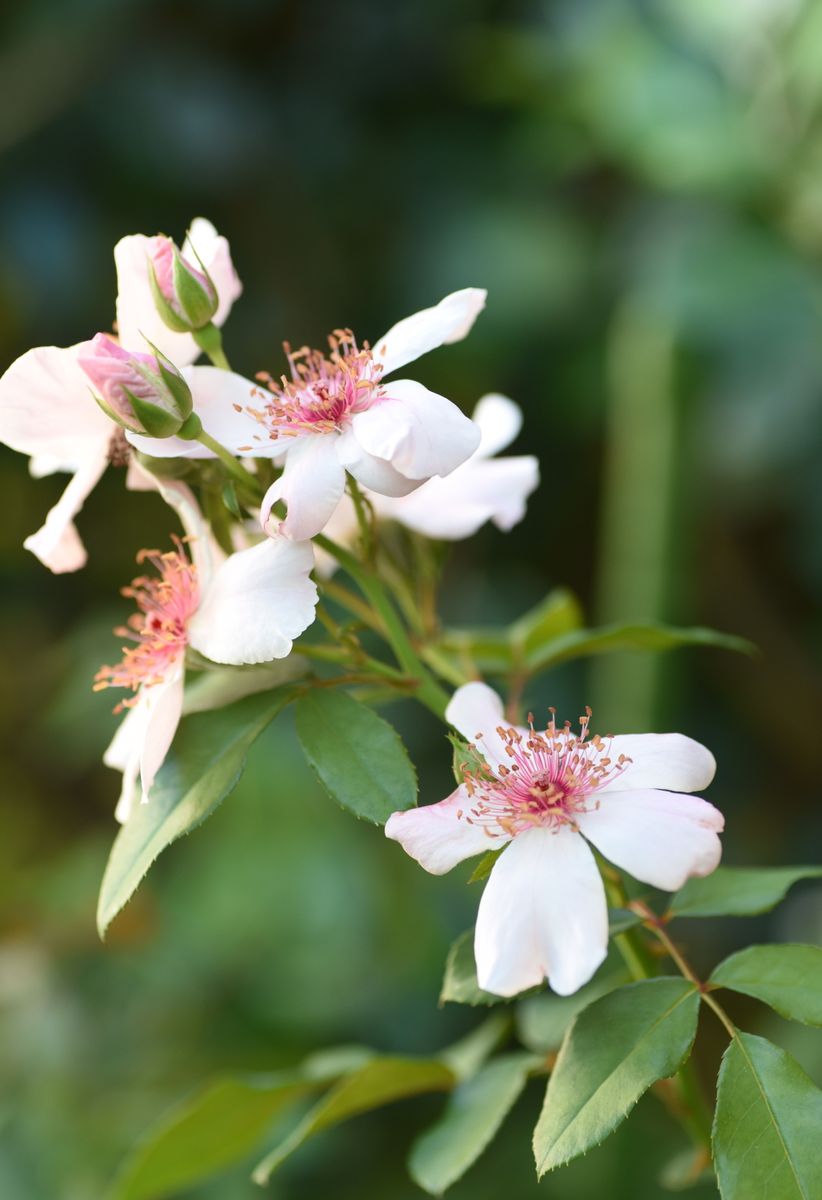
x=373, y=473
x=57, y=543
x=448, y=321
x=661, y=760
x=542, y=915
x=259, y=600
x=476, y=712
x=661, y=838
x=417, y=431
x=312, y=484
x=439, y=836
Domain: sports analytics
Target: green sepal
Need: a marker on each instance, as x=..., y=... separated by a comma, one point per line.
x=199, y=307
x=156, y=422
x=114, y=415
x=167, y=313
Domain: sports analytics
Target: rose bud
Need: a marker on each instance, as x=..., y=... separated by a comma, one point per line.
x=186, y=297
x=143, y=393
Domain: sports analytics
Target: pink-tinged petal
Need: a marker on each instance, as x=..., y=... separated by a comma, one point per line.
x=164, y=704
x=439, y=836
x=373, y=473
x=212, y=250
x=661, y=760
x=47, y=409
x=475, y=710
x=661, y=838
x=57, y=543
x=259, y=600
x=221, y=401
x=499, y=421
x=312, y=484
x=456, y=507
x=420, y=433
x=448, y=321
x=542, y=915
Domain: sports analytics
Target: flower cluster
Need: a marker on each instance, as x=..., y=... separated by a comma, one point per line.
x=298, y=473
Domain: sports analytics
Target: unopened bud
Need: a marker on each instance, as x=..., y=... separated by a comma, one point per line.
x=185, y=296
x=144, y=393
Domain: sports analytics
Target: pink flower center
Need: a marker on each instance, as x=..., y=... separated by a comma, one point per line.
x=158, y=628
x=551, y=777
x=324, y=390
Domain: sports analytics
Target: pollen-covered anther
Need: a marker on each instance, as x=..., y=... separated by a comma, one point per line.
x=551, y=777
x=323, y=390
x=165, y=603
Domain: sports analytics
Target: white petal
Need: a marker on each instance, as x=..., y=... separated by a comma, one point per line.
x=448, y=321
x=475, y=710
x=123, y=754
x=259, y=601
x=478, y=491
x=311, y=485
x=217, y=395
x=57, y=543
x=47, y=409
x=661, y=760
x=214, y=253
x=661, y=838
x=138, y=321
x=420, y=433
x=499, y=420
x=542, y=914
x=164, y=704
x=373, y=473
x=439, y=836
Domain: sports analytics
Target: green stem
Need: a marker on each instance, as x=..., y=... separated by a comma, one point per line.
x=229, y=461
x=364, y=521
x=210, y=340
x=429, y=691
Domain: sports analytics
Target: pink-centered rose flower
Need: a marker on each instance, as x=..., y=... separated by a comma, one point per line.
x=337, y=412
x=241, y=609
x=141, y=392
x=483, y=489
x=545, y=796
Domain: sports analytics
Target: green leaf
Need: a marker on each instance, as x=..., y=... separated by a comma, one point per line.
x=487, y=649
x=207, y=1133
x=473, y=1115
x=359, y=757
x=612, y=1053
x=485, y=866
x=459, y=985
x=542, y=1021
x=558, y=614
x=738, y=891
x=379, y=1082
x=467, y=757
x=788, y=978
x=217, y=687
x=583, y=643
x=204, y=763
x=767, y=1125
x=465, y=1057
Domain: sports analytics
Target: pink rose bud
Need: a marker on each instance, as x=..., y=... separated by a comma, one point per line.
x=186, y=297
x=142, y=392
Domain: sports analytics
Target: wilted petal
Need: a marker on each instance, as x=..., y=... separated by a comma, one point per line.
x=417, y=431
x=57, y=543
x=661, y=838
x=47, y=409
x=311, y=485
x=661, y=760
x=448, y=321
x=259, y=600
x=480, y=490
x=475, y=710
x=542, y=915
x=439, y=836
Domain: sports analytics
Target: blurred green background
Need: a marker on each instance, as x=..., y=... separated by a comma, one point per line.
x=639, y=186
